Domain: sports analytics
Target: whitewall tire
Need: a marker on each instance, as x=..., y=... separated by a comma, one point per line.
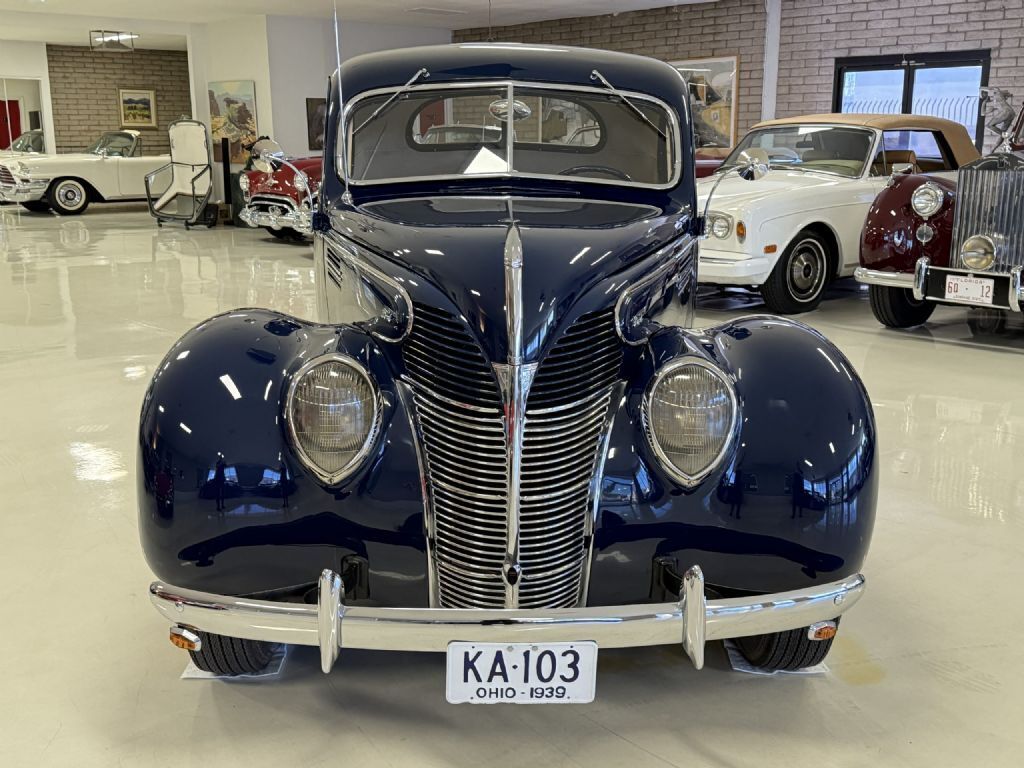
x=68, y=197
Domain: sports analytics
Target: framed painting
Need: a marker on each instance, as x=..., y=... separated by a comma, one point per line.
x=714, y=87
x=138, y=108
x=232, y=117
x=316, y=120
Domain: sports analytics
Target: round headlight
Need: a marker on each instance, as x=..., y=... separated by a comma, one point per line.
x=978, y=252
x=333, y=415
x=243, y=184
x=927, y=199
x=689, y=416
x=300, y=181
x=721, y=226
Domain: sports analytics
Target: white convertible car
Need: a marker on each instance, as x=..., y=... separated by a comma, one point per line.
x=800, y=226
x=112, y=169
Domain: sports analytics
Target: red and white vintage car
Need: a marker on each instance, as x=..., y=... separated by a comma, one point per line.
x=283, y=201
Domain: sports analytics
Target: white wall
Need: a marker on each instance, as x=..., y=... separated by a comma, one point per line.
x=25, y=60
x=26, y=93
x=302, y=57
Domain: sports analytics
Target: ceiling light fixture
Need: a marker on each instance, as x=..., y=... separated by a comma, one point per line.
x=108, y=40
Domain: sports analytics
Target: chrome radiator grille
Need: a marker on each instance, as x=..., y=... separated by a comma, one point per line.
x=460, y=419
x=988, y=202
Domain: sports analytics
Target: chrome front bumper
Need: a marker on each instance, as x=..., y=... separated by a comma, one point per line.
x=23, y=192
x=331, y=625
x=918, y=283
x=289, y=218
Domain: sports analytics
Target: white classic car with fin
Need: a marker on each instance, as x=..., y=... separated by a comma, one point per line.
x=111, y=169
x=800, y=227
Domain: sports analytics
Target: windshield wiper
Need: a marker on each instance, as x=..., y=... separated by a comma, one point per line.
x=422, y=72
x=595, y=75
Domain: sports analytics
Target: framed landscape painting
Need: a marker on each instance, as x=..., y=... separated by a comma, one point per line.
x=138, y=108
x=232, y=117
x=714, y=86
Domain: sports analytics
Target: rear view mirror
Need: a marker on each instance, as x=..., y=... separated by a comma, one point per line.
x=520, y=110
x=753, y=164
x=902, y=168
x=266, y=154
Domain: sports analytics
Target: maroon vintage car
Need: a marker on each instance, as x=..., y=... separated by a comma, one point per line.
x=956, y=239
x=708, y=161
x=283, y=201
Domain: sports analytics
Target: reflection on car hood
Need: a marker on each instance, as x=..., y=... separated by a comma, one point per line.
x=734, y=191
x=568, y=247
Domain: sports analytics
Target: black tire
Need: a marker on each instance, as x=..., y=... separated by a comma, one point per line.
x=798, y=281
x=986, y=322
x=68, y=197
x=897, y=307
x=36, y=206
x=286, y=233
x=230, y=656
x=784, y=651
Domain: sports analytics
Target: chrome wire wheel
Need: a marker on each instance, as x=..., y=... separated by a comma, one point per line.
x=807, y=270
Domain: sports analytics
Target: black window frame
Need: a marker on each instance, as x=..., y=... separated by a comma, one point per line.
x=910, y=63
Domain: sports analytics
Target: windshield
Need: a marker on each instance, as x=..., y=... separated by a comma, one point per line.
x=830, y=149
x=463, y=132
x=28, y=142
x=114, y=144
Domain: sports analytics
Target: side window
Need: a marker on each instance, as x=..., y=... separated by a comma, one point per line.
x=925, y=151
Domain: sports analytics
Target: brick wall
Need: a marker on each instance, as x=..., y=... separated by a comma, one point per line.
x=725, y=28
x=84, y=86
x=816, y=32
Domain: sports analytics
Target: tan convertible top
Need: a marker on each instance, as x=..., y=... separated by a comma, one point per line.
x=955, y=134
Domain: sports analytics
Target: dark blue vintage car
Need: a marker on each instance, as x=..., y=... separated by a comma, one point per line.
x=503, y=441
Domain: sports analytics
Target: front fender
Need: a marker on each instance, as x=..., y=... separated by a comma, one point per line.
x=889, y=240
x=226, y=506
x=793, y=502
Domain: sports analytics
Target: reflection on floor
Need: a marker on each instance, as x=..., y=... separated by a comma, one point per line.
x=89, y=305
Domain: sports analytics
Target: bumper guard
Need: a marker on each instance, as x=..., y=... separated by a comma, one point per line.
x=294, y=218
x=331, y=625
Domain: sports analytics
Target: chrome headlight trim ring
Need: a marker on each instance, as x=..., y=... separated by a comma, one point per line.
x=683, y=478
x=333, y=478
x=927, y=199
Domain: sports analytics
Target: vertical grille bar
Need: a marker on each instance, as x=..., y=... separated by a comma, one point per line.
x=987, y=203
x=459, y=414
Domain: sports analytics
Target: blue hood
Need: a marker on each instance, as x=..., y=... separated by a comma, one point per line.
x=569, y=246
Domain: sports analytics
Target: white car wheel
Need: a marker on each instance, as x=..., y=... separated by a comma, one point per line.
x=68, y=197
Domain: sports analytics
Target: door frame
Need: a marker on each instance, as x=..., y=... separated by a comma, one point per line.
x=910, y=62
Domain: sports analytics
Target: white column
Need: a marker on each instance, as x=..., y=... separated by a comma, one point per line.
x=772, y=31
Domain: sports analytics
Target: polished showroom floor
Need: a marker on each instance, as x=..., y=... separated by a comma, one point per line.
x=927, y=669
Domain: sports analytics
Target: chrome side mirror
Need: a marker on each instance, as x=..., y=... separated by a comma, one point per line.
x=753, y=164
x=266, y=154
x=902, y=168
x=520, y=110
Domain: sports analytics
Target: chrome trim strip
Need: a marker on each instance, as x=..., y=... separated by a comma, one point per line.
x=431, y=629
x=689, y=481
x=674, y=146
x=332, y=478
x=345, y=250
x=330, y=592
x=888, y=279
x=651, y=278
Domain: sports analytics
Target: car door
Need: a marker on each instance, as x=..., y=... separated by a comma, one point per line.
x=132, y=171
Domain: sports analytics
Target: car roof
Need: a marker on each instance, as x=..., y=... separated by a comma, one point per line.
x=468, y=62
x=955, y=134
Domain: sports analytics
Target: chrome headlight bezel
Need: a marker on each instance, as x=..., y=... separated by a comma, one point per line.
x=300, y=181
x=244, y=185
x=720, y=225
x=686, y=479
x=370, y=441
x=927, y=200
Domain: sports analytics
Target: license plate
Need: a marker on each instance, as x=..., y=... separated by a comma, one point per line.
x=977, y=290
x=521, y=673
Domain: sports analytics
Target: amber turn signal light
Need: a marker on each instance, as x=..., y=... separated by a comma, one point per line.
x=771, y=248
x=741, y=231
x=823, y=630
x=185, y=638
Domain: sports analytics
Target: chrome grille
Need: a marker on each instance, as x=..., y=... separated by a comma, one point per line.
x=6, y=177
x=460, y=418
x=988, y=203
